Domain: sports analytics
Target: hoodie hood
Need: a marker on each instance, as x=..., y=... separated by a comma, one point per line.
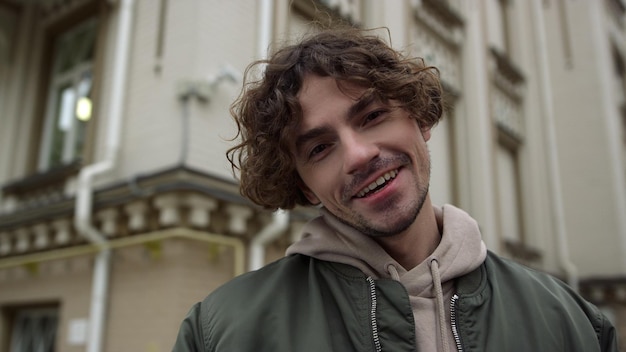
x=460, y=251
x=429, y=284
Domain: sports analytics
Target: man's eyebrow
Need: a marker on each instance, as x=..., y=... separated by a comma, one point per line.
x=303, y=139
x=361, y=104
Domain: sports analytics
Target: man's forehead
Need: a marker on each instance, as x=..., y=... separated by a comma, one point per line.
x=317, y=90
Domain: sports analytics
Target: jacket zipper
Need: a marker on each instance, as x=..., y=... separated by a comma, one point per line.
x=455, y=330
x=373, y=321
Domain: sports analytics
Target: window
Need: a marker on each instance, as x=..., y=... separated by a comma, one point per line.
x=443, y=174
x=34, y=330
x=68, y=108
x=508, y=194
x=499, y=25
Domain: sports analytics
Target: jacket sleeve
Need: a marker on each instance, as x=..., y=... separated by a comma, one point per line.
x=190, y=337
x=608, y=336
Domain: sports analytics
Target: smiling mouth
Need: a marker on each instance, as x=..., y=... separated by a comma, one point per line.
x=378, y=184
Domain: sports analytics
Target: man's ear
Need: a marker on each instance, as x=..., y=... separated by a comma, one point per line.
x=310, y=196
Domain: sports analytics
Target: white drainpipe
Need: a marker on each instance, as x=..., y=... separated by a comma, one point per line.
x=550, y=134
x=265, y=27
x=84, y=194
x=279, y=223
x=280, y=218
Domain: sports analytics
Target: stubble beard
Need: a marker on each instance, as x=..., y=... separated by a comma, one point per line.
x=406, y=215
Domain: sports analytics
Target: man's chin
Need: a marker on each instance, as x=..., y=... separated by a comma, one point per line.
x=383, y=227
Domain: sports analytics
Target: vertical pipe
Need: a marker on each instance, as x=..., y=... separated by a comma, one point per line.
x=84, y=194
x=280, y=218
x=280, y=222
x=265, y=27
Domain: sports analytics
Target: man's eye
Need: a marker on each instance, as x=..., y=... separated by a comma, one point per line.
x=373, y=116
x=317, y=149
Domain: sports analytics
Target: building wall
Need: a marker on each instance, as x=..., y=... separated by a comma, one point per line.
x=185, y=65
x=151, y=289
x=196, y=131
x=592, y=196
x=64, y=283
x=152, y=292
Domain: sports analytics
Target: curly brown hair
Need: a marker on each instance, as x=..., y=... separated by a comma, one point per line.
x=268, y=112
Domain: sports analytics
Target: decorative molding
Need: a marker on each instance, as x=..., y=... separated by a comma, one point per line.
x=440, y=18
x=603, y=291
x=339, y=10
x=179, y=197
x=507, y=115
x=349, y=10
x=506, y=69
x=52, y=179
x=507, y=96
x=437, y=37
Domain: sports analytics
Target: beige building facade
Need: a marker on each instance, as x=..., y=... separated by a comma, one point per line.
x=118, y=209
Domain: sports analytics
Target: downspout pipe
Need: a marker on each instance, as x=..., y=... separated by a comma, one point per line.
x=565, y=262
x=84, y=194
x=269, y=233
x=280, y=218
x=265, y=27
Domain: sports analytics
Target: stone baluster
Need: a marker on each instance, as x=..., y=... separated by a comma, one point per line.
x=200, y=208
x=23, y=240
x=169, y=209
x=62, y=234
x=5, y=243
x=137, y=212
x=42, y=239
x=238, y=218
x=108, y=221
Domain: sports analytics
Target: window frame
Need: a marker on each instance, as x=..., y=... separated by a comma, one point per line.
x=56, y=81
x=51, y=27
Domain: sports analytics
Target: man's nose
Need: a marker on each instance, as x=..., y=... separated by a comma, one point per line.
x=358, y=152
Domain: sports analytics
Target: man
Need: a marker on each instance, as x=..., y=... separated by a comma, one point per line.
x=341, y=120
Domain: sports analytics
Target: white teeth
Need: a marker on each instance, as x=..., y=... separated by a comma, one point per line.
x=381, y=180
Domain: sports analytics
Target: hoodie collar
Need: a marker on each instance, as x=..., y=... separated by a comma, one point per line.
x=460, y=251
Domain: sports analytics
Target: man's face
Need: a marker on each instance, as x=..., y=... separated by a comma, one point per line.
x=365, y=160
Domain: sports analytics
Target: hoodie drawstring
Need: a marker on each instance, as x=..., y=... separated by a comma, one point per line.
x=393, y=272
x=434, y=270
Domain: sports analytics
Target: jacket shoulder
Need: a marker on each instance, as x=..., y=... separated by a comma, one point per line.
x=520, y=295
x=228, y=302
x=287, y=295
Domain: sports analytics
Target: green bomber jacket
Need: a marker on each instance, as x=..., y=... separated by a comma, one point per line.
x=300, y=303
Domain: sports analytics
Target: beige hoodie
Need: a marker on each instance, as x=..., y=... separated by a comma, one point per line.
x=430, y=284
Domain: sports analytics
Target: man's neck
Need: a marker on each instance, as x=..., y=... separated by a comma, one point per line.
x=420, y=240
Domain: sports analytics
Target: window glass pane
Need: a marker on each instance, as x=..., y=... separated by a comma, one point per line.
x=34, y=330
x=69, y=107
x=508, y=196
x=62, y=124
